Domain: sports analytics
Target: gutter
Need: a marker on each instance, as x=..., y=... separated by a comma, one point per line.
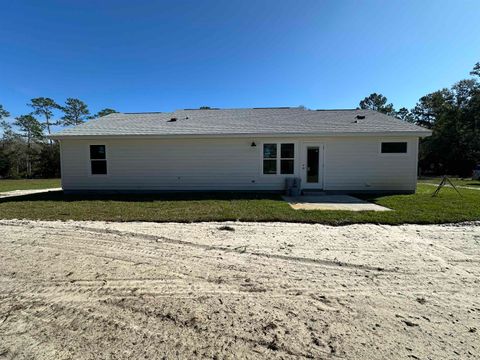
x=420, y=134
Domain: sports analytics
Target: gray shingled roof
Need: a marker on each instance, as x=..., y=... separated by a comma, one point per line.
x=272, y=121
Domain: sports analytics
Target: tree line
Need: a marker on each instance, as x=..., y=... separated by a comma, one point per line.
x=25, y=150
x=453, y=115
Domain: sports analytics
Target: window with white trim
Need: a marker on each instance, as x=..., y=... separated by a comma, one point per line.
x=269, y=159
x=278, y=162
x=394, y=148
x=287, y=155
x=98, y=160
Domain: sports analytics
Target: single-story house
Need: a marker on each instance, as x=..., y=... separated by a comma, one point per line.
x=241, y=149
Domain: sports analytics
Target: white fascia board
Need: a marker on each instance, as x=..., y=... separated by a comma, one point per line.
x=257, y=135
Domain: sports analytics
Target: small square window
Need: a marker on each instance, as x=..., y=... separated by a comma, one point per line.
x=99, y=167
x=394, y=147
x=270, y=166
x=286, y=166
x=97, y=152
x=287, y=151
x=269, y=151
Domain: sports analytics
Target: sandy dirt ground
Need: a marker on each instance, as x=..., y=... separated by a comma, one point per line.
x=95, y=290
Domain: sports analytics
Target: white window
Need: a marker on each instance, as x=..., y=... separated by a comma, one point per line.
x=394, y=148
x=98, y=160
x=270, y=159
x=275, y=162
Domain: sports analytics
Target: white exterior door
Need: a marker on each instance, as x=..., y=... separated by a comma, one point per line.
x=312, y=166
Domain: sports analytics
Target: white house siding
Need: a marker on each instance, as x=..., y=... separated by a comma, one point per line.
x=352, y=163
x=357, y=164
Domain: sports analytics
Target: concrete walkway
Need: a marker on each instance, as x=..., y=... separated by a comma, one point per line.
x=26, y=192
x=332, y=202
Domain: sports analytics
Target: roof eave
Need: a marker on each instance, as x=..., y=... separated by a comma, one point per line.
x=420, y=133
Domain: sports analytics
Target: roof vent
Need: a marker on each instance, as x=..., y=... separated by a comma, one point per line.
x=360, y=117
x=172, y=120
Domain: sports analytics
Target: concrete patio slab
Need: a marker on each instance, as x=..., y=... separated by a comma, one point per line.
x=332, y=202
x=15, y=193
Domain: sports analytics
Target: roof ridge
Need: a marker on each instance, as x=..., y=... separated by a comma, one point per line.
x=274, y=107
x=349, y=109
x=145, y=112
x=244, y=108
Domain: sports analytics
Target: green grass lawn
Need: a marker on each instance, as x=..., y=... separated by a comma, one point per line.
x=28, y=184
x=418, y=208
x=456, y=181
